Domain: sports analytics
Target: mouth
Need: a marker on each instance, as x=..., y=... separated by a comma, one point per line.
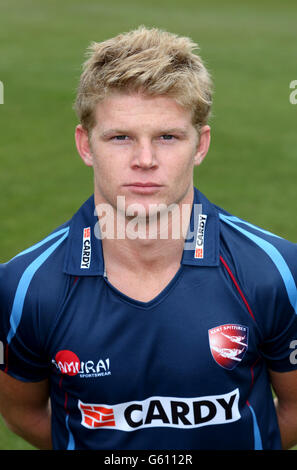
x=143, y=188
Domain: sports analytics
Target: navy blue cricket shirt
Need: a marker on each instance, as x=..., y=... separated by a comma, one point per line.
x=186, y=370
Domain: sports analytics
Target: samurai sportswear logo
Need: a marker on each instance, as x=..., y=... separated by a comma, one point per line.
x=182, y=413
x=228, y=344
x=68, y=363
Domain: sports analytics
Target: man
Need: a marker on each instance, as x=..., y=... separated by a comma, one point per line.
x=161, y=331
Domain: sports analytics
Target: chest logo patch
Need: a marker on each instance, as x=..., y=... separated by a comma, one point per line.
x=69, y=363
x=228, y=344
x=160, y=411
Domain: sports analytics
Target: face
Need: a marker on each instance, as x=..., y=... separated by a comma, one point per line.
x=143, y=148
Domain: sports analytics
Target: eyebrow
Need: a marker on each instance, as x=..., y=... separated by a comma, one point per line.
x=174, y=130
x=108, y=132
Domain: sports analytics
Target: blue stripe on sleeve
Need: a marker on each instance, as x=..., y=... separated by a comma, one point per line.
x=275, y=256
x=257, y=436
x=42, y=242
x=232, y=218
x=71, y=444
x=19, y=299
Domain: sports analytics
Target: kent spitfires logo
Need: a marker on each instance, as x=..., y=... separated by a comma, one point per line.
x=228, y=344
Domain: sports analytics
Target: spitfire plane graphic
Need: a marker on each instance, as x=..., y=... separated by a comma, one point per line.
x=235, y=339
x=229, y=353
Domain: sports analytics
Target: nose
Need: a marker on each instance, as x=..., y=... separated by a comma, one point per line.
x=144, y=155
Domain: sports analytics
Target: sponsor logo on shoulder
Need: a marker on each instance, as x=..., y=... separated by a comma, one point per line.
x=182, y=413
x=86, y=249
x=199, y=248
x=228, y=344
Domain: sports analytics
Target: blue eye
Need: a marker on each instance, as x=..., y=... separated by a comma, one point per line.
x=167, y=137
x=120, y=137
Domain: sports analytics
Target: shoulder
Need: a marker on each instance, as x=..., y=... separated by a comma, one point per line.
x=42, y=271
x=264, y=263
x=41, y=257
x=257, y=245
x=34, y=278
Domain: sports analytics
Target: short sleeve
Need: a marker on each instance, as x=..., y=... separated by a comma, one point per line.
x=279, y=351
x=277, y=309
x=23, y=357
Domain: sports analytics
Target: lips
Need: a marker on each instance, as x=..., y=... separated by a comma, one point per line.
x=143, y=188
x=144, y=185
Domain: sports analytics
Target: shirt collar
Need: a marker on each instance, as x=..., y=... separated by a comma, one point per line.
x=84, y=254
x=201, y=247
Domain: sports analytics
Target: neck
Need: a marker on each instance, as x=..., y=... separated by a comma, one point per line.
x=145, y=243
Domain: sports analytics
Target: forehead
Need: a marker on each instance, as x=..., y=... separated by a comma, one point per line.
x=137, y=109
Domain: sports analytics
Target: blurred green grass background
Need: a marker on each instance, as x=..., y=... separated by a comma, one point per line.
x=250, y=50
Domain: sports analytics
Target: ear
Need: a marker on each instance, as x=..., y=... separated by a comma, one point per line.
x=203, y=145
x=83, y=145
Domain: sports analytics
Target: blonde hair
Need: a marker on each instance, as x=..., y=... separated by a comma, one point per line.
x=150, y=61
